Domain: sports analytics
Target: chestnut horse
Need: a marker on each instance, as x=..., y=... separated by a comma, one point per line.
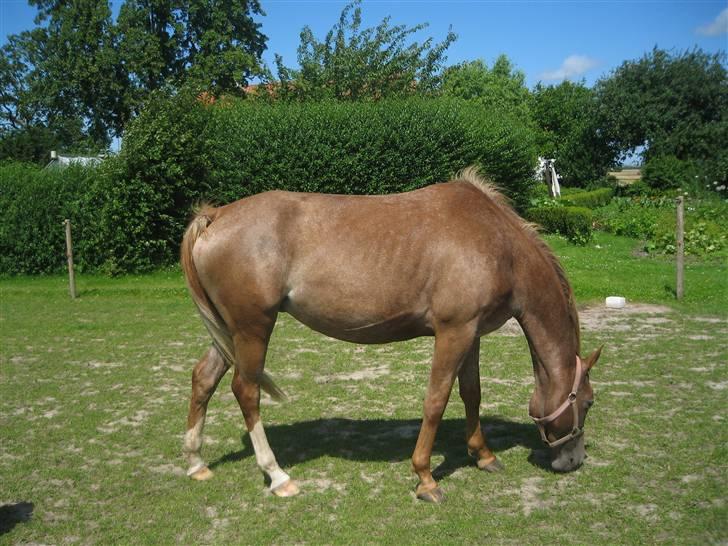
x=451, y=260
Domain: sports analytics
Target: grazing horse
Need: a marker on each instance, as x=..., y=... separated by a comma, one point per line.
x=451, y=260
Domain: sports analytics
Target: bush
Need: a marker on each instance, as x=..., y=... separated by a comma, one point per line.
x=652, y=219
x=667, y=172
x=180, y=151
x=636, y=188
x=35, y=202
x=589, y=199
x=574, y=223
x=145, y=194
x=362, y=148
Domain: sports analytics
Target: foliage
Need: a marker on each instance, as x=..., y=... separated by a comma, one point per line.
x=35, y=203
x=182, y=150
x=589, y=199
x=353, y=64
x=31, y=144
x=570, y=132
x=674, y=104
x=362, y=148
x=145, y=195
x=501, y=88
x=215, y=47
x=78, y=78
x=653, y=220
x=43, y=99
x=574, y=223
x=667, y=172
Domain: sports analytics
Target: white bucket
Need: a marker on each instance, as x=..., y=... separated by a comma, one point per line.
x=616, y=302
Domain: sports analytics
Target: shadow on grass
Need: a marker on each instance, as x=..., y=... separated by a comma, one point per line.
x=12, y=514
x=388, y=440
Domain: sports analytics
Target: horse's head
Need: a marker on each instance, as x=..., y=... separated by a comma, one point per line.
x=563, y=429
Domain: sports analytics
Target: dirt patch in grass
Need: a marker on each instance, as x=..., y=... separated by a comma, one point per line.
x=359, y=375
x=601, y=317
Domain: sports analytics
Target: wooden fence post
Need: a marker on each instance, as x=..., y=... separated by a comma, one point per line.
x=69, y=255
x=680, y=248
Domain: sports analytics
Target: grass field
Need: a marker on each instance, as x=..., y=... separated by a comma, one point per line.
x=93, y=397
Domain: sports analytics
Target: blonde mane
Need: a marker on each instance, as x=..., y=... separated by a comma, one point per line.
x=472, y=176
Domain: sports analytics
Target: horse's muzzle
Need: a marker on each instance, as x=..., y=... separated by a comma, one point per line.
x=569, y=456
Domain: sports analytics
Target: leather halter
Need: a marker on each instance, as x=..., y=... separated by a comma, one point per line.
x=576, y=430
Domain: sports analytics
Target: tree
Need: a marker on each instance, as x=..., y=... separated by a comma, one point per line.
x=570, y=132
x=372, y=63
x=32, y=119
x=213, y=46
x=78, y=73
x=222, y=44
x=77, y=79
x=149, y=40
x=672, y=104
x=60, y=82
x=501, y=87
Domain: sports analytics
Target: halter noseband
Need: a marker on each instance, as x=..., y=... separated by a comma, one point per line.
x=576, y=431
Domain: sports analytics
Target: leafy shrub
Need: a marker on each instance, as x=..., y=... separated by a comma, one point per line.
x=653, y=220
x=606, y=181
x=635, y=189
x=362, y=148
x=667, y=172
x=589, y=199
x=574, y=223
x=146, y=193
x=715, y=174
x=35, y=202
x=631, y=217
x=181, y=150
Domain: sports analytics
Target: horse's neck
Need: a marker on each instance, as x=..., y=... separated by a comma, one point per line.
x=549, y=327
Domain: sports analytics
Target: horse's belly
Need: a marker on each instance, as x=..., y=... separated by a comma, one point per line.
x=359, y=325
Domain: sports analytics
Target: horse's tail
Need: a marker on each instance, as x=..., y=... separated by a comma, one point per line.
x=221, y=338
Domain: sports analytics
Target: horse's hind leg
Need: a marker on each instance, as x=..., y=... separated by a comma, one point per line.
x=250, y=356
x=205, y=378
x=469, y=386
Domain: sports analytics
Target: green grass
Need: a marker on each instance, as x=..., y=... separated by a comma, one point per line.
x=93, y=397
x=610, y=267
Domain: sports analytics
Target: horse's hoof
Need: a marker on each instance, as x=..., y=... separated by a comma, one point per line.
x=287, y=489
x=202, y=474
x=490, y=465
x=434, y=496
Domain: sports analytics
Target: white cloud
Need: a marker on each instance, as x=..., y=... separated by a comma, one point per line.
x=573, y=66
x=717, y=27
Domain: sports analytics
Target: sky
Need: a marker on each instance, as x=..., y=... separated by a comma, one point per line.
x=548, y=40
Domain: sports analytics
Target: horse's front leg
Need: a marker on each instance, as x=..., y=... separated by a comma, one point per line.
x=451, y=347
x=469, y=386
x=250, y=358
x=205, y=378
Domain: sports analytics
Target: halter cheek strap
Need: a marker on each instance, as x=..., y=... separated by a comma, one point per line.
x=570, y=401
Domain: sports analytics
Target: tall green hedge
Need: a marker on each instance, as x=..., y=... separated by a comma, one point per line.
x=34, y=204
x=181, y=150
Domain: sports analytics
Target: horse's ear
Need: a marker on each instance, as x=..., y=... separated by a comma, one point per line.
x=592, y=358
